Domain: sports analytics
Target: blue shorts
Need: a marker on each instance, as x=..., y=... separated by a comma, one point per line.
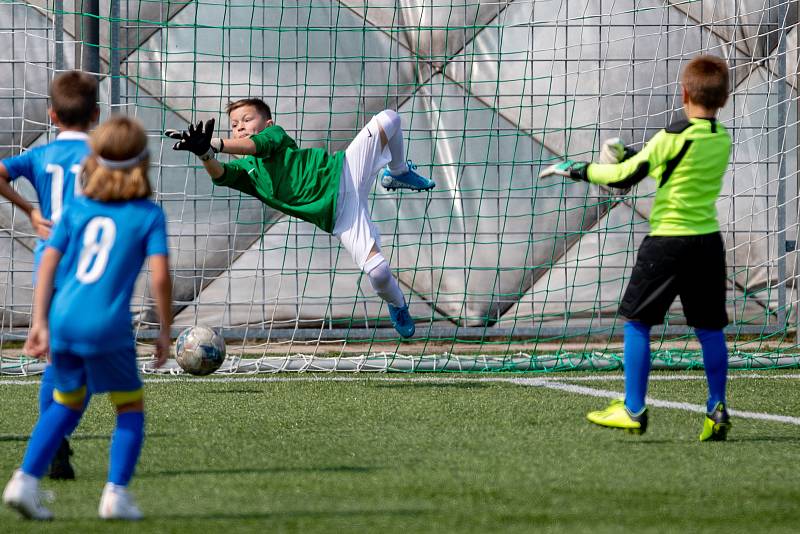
x=100, y=374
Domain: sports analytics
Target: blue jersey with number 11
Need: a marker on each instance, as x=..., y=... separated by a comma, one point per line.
x=104, y=245
x=53, y=170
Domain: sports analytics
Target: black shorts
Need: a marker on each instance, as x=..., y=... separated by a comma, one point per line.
x=690, y=266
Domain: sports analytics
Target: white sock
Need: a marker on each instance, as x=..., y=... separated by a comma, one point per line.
x=390, y=122
x=383, y=281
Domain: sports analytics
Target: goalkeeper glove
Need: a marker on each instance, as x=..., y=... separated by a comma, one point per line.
x=574, y=170
x=614, y=151
x=198, y=140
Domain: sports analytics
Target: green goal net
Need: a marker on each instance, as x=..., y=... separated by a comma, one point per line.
x=502, y=271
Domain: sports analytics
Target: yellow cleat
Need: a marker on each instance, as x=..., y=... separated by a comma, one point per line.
x=716, y=424
x=618, y=416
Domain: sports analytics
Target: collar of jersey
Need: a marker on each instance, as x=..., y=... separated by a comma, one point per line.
x=72, y=136
x=701, y=120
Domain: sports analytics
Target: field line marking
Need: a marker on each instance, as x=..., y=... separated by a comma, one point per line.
x=685, y=406
x=330, y=377
x=548, y=382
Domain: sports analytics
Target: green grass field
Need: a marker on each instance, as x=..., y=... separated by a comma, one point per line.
x=428, y=453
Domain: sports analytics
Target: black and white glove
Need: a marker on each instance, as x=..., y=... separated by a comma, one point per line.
x=198, y=139
x=574, y=170
x=614, y=151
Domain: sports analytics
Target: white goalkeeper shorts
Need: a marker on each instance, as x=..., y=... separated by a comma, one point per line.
x=363, y=159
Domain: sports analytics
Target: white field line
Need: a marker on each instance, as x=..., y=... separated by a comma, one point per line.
x=548, y=382
x=685, y=406
x=548, y=378
x=330, y=377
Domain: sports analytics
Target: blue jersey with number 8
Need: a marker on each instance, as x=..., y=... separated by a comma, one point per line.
x=104, y=245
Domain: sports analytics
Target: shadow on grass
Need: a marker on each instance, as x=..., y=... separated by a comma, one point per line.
x=81, y=437
x=230, y=391
x=294, y=514
x=691, y=442
x=437, y=385
x=765, y=439
x=13, y=437
x=644, y=442
x=257, y=471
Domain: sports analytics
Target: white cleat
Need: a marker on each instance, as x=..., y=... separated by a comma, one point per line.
x=22, y=493
x=117, y=503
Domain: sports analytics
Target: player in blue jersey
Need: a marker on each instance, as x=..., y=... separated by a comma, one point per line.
x=94, y=256
x=53, y=169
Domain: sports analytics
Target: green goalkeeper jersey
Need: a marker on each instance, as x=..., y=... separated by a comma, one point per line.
x=688, y=161
x=301, y=182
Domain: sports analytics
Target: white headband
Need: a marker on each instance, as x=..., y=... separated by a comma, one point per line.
x=125, y=163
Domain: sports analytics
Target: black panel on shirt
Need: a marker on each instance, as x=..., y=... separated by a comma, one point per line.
x=638, y=175
x=671, y=164
x=678, y=126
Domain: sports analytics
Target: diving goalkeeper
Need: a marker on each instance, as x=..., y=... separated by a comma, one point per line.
x=330, y=191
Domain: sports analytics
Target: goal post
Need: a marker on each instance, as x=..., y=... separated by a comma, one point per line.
x=502, y=271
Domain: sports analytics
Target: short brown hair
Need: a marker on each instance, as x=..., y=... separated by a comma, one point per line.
x=706, y=81
x=257, y=103
x=73, y=97
x=118, y=139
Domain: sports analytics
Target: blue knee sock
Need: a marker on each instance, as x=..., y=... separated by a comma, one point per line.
x=126, y=443
x=46, y=437
x=715, y=361
x=72, y=427
x=46, y=389
x=637, y=364
x=46, y=396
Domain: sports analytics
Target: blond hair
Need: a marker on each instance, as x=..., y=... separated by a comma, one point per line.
x=117, y=167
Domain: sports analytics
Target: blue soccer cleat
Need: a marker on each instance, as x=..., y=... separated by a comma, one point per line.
x=402, y=320
x=408, y=180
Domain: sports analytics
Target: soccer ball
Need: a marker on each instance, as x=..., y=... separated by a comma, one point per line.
x=199, y=350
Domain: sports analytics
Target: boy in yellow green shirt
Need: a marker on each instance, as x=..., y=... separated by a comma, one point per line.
x=684, y=254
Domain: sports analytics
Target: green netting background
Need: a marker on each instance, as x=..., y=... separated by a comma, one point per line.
x=502, y=271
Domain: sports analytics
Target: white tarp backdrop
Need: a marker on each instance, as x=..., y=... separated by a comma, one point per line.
x=489, y=92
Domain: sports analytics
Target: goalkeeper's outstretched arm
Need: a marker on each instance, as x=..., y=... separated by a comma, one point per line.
x=623, y=175
x=240, y=147
x=199, y=139
x=631, y=170
x=632, y=167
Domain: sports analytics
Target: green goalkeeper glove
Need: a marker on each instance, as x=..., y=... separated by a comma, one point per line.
x=198, y=140
x=574, y=170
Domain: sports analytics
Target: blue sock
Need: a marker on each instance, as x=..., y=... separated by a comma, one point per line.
x=46, y=389
x=637, y=364
x=46, y=396
x=715, y=361
x=72, y=427
x=46, y=437
x=126, y=443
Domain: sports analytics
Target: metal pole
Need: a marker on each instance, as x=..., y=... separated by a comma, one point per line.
x=88, y=47
x=114, y=59
x=59, y=35
x=795, y=150
x=783, y=116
